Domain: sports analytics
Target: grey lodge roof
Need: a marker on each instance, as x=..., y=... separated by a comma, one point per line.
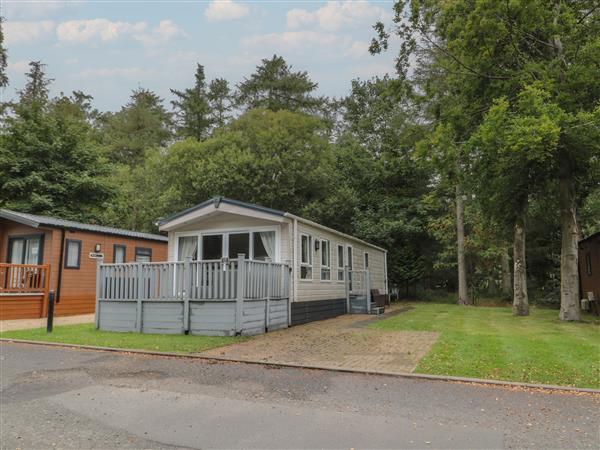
x=36, y=221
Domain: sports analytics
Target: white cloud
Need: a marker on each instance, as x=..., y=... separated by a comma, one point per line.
x=307, y=41
x=337, y=14
x=84, y=30
x=115, y=72
x=18, y=67
x=225, y=10
x=294, y=40
x=164, y=32
x=104, y=30
x=18, y=32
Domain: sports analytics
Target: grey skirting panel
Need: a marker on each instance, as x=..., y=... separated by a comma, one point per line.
x=304, y=312
x=211, y=318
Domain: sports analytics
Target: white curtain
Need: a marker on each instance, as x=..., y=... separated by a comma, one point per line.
x=268, y=241
x=188, y=247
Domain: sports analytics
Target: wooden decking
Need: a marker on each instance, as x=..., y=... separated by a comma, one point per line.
x=24, y=291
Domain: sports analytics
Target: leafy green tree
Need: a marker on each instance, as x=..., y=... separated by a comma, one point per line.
x=142, y=124
x=276, y=86
x=48, y=162
x=278, y=159
x=484, y=50
x=3, y=57
x=193, y=108
x=377, y=187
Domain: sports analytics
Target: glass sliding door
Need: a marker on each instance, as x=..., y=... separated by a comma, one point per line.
x=264, y=245
x=212, y=247
x=239, y=243
x=187, y=247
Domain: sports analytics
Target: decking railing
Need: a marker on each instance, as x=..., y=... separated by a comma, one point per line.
x=24, y=278
x=224, y=297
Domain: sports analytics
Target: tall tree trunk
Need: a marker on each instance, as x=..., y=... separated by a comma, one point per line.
x=520, y=297
x=463, y=294
x=569, y=275
x=506, y=286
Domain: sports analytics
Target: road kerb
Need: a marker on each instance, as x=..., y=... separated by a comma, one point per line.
x=447, y=378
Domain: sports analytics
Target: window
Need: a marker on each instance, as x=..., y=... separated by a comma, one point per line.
x=325, y=260
x=588, y=263
x=366, y=260
x=26, y=249
x=340, y=262
x=212, y=247
x=306, y=257
x=73, y=256
x=187, y=247
x=119, y=252
x=264, y=245
x=239, y=243
x=143, y=254
x=349, y=263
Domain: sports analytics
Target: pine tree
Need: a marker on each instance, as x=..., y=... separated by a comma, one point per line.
x=193, y=109
x=275, y=86
x=3, y=58
x=220, y=101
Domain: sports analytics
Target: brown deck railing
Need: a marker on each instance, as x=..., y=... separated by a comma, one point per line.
x=24, y=278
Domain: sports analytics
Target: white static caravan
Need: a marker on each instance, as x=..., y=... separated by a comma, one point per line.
x=319, y=257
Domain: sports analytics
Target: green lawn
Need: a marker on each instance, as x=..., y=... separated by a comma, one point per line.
x=88, y=335
x=484, y=342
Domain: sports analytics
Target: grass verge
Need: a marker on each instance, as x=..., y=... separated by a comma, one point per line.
x=485, y=342
x=86, y=334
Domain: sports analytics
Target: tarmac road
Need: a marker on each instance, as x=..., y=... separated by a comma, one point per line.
x=67, y=398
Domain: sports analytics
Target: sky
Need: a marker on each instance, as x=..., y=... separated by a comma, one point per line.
x=107, y=48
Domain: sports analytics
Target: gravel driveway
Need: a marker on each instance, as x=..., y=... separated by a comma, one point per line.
x=341, y=343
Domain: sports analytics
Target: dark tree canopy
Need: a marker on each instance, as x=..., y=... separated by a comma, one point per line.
x=3, y=57
x=193, y=109
x=276, y=86
x=142, y=124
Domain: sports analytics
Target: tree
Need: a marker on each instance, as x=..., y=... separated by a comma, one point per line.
x=140, y=125
x=277, y=159
x=193, y=108
x=486, y=50
x=48, y=162
x=275, y=86
x=3, y=57
x=220, y=100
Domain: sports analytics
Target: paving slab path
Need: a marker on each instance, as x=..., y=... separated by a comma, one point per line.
x=343, y=342
x=26, y=324
x=86, y=399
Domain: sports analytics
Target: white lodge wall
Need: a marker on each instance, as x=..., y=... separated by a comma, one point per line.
x=312, y=289
x=227, y=222
x=316, y=289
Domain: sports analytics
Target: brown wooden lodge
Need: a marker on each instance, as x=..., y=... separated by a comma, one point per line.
x=40, y=253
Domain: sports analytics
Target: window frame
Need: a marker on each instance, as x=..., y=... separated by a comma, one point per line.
x=25, y=237
x=137, y=252
x=115, y=247
x=66, y=262
x=340, y=264
x=323, y=266
x=588, y=264
x=225, y=232
x=308, y=264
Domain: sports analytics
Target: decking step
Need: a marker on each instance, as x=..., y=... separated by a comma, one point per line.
x=376, y=310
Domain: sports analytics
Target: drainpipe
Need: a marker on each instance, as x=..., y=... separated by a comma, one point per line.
x=295, y=258
x=385, y=274
x=60, y=264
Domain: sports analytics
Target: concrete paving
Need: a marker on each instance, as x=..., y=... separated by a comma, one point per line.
x=70, y=398
x=27, y=324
